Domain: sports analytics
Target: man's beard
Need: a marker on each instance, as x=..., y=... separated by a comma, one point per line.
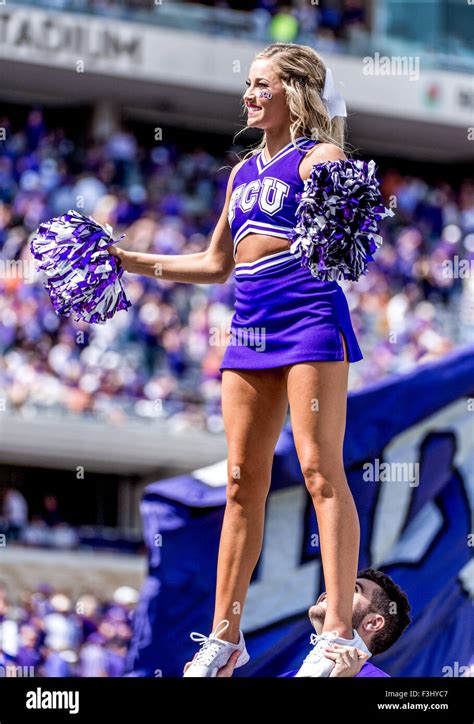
x=317, y=614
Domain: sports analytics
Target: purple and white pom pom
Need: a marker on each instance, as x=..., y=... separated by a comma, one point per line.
x=338, y=218
x=82, y=278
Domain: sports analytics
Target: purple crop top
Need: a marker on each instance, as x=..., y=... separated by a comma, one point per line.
x=263, y=199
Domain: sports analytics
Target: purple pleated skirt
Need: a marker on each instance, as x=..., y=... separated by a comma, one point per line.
x=284, y=315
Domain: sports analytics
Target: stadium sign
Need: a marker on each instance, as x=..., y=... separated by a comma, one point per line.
x=46, y=36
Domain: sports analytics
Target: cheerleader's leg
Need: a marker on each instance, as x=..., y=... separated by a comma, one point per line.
x=254, y=407
x=317, y=393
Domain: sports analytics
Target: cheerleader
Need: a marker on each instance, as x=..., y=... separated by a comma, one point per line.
x=291, y=344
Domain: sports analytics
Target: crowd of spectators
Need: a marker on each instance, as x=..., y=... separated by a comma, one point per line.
x=329, y=22
x=156, y=359
x=48, y=633
x=44, y=527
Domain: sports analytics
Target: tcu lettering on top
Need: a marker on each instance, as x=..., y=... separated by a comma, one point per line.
x=268, y=193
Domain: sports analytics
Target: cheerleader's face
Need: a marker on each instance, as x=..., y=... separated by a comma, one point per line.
x=265, y=99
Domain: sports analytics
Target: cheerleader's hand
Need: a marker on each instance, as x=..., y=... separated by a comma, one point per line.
x=115, y=251
x=348, y=659
x=120, y=254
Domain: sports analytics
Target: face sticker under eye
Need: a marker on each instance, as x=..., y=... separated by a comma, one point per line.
x=265, y=94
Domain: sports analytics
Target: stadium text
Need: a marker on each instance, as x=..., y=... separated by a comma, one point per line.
x=55, y=35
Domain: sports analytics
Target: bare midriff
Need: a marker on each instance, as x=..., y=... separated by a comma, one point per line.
x=254, y=246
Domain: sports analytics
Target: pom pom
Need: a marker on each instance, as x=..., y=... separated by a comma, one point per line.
x=82, y=278
x=338, y=218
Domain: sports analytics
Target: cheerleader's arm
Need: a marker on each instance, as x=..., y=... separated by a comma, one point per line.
x=212, y=266
x=319, y=154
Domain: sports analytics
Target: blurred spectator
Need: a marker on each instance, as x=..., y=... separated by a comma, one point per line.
x=14, y=514
x=50, y=512
x=60, y=627
x=46, y=528
x=39, y=534
x=49, y=635
x=284, y=26
x=28, y=653
x=353, y=14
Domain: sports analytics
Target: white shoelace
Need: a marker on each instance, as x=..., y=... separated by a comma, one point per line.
x=319, y=643
x=210, y=647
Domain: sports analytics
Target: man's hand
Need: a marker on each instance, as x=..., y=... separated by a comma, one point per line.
x=227, y=670
x=348, y=659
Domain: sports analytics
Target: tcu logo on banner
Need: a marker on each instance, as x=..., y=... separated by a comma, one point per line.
x=268, y=193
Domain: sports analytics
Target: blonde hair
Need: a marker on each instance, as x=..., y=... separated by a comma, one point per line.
x=302, y=72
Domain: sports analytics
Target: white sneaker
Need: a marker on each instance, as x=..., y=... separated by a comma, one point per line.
x=215, y=653
x=316, y=664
